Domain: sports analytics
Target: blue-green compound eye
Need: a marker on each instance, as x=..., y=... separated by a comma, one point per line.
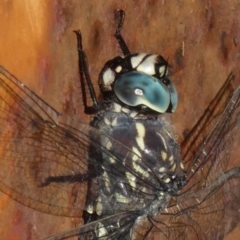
x=137, y=88
x=174, y=96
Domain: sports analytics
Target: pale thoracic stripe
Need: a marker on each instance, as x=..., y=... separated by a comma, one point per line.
x=90, y=209
x=109, y=145
x=162, y=169
x=173, y=167
x=139, y=169
x=112, y=160
x=135, y=157
x=114, y=122
x=141, y=131
x=137, y=154
x=164, y=155
x=106, y=121
x=101, y=231
x=107, y=181
x=168, y=180
x=99, y=207
x=120, y=198
x=131, y=179
x=163, y=140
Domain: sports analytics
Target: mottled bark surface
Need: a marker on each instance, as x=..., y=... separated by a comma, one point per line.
x=200, y=39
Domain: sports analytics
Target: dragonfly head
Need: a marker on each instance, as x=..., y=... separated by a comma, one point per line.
x=139, y=81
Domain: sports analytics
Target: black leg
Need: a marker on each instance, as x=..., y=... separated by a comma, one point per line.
x=119, y=37
x=83, y=70
x=78, y=178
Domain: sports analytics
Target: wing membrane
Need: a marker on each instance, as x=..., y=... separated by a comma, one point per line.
x=207, y=121
x=33, y=147
x=208, y=206
x=41, y=148
x=120, y=227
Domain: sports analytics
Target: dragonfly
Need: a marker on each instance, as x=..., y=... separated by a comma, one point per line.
x=124, y=172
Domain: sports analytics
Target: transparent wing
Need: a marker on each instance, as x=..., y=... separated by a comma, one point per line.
x=39, y=145
x=33, y=147
x=198, y=134
x=119, y=226
x=207, y=207
x=45, y=155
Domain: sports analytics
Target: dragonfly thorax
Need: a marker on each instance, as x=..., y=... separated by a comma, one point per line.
x=151, y=168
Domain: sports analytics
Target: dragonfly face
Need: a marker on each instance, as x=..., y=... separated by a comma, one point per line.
x=127, y=165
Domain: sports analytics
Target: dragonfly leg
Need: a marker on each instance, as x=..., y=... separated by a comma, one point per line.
x=119, y=37
x=84, y=73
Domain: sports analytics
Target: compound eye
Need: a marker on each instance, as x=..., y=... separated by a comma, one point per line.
x=137, y=88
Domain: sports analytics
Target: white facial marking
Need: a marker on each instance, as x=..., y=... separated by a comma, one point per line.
x=162, y=71
x=137, y=59
x=118, y=69
x=108, y=77
x=117, y=107
x=148, y=65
